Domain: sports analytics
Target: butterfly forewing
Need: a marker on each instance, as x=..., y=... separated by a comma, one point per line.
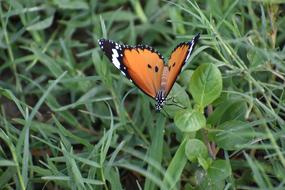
x=177, y=59
x=144, y=67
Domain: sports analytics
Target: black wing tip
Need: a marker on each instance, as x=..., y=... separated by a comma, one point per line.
x=195, y=39
x=101, y=40
x=106, y=42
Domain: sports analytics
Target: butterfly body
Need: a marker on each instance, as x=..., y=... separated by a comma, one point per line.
x=146, y=68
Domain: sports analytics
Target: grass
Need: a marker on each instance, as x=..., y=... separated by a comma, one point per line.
x=69, y=120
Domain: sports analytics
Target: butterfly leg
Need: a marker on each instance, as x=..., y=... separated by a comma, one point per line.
x=168, y=99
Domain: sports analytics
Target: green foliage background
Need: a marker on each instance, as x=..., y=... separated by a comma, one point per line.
x=69, y=120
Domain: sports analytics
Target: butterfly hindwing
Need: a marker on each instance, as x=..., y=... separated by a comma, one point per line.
x=141, y=64
x=177, y=59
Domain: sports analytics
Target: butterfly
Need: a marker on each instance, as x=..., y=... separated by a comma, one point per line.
x=146, y=68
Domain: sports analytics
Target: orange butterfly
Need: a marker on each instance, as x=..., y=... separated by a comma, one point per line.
x=146, y=67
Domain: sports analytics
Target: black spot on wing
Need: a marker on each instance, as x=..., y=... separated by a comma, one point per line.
x=156, y=69
x=149, y=66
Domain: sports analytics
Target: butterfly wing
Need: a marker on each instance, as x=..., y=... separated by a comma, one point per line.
x=177, y=59
x=141, y=64
x=114, y=52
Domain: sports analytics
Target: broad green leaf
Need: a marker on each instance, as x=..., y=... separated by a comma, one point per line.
x=179, y=97
x=214, y=177
x=205, y=163
x=205, y=84
x=232, y=134
x=189, y=120
x=194, y=149
x=229, y=109
x=207, y=184
x=219, y=170
x=184, y=77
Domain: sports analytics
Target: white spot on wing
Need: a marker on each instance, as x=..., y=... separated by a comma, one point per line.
x=115, y=57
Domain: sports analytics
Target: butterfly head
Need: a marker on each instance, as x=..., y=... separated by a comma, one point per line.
x=160, y=100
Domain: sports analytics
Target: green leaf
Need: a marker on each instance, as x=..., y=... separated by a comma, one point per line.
x=41, y=24
x=180, y=97
x=207, y=184
x=219, y=170
x=184, y=77
x=205, y=84
x=176, y=166
x=205, y=163
x=8, y=94
x=72, y=169
x=189, y=120
x=233, y=133
x=113, y=176
x=229, y=109
x=194, y=149
x=214, y=178
x=7, y=175
x=75, y=5
x=155, y=151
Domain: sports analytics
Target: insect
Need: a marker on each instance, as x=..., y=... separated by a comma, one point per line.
x=146, y=68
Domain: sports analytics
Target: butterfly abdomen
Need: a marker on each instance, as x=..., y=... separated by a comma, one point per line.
x=161, y=94
x=164, y=76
